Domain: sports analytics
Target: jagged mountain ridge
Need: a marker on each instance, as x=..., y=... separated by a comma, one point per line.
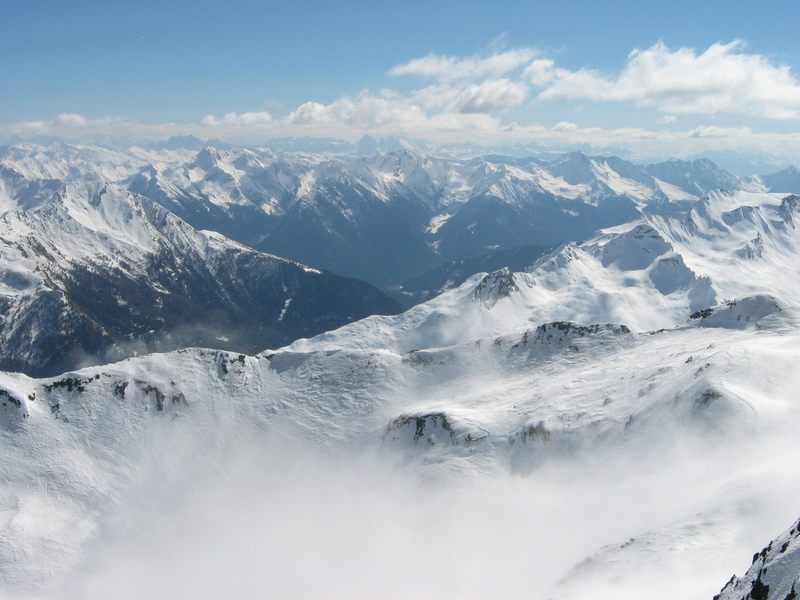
x=787, y=181
x=387, y=217
x=452, y=274
x=96, y=273
x=649, y=274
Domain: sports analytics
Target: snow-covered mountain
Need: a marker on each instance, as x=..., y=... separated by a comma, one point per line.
x=652, y=366
x=649, y=275
x=453, y=273
x=786, y=181
x=91, y=272
x=384, y=218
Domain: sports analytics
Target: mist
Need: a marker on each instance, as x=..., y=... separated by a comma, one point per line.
x=256, y=518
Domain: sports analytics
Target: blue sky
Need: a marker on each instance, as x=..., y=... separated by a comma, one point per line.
x=150, y=69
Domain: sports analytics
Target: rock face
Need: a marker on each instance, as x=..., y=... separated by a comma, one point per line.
x=774, y=573
x=739, y=314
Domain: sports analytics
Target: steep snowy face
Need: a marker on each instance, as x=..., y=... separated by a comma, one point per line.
x=387, y=217
x=606, y=177
x=403, y=172
x=217, y=182
x=97, y=271
x=774, y=573
x=19, y=192
x=59, y=160
x=698, y=177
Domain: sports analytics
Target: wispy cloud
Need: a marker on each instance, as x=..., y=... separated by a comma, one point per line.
x=491, y=96
x=451, y=68
x=246, y=119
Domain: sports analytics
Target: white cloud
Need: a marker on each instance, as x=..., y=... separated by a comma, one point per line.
x=448, y=68
x=542, y=71
x=349, y=118
x=388, y=114
x=246, y=119
x=71, y=120
x=722, y=79
x=565, y=126
x=66, y=124
x=491, y=96
x=476, y=84
x=668, y=120
x=365, y=111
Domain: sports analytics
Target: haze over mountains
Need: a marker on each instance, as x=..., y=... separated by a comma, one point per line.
x=92, y=272
x=386, y=217
x=413, y=224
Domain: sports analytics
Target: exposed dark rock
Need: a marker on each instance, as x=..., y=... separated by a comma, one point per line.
x=71, y=383
x=6, y=397
x=119, y=388
x=495, y=286
x=702, y=314
x=159, y=395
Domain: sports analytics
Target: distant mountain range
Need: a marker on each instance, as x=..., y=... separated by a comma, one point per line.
x=385, y=218
x=108, y=251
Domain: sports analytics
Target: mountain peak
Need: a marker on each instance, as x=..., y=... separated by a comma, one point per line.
x=785, y=181
x=495, y=286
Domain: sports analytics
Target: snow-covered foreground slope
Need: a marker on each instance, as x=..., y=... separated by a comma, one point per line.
x=543, y=454
x=617, y=422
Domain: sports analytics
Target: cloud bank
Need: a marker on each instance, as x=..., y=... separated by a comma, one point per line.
x=499, y=97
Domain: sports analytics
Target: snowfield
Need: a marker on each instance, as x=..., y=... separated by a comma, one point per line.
x=617, y=421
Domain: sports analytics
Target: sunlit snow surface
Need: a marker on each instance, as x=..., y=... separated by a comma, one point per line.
x=566, y=432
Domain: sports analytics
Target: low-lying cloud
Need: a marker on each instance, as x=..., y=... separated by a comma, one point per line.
x=256, y=519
